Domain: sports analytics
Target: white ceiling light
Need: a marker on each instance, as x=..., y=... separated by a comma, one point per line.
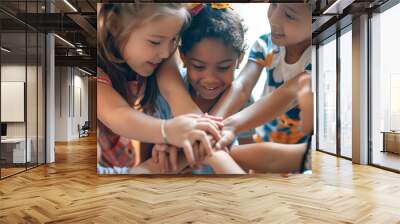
x=70, y=5
x=5, y=50
x=86, y=72
x=338, y=6
x=65, y=41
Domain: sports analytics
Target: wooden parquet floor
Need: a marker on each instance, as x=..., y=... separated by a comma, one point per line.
x=70, y=191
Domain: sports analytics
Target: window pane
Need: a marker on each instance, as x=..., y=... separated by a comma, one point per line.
x=385, y=88
x=15, y=150
x=327, y=97
x=346, y=94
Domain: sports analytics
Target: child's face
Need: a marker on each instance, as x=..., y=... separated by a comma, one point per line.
x=290, y=23
x=210, y=66
x=152, y=42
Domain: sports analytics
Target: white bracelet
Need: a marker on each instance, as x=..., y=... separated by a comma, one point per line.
x=163, y=133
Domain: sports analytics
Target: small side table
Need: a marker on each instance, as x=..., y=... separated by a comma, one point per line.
x=391, y=141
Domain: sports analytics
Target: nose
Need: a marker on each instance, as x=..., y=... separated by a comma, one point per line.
x=164, y=51
x=210, y=77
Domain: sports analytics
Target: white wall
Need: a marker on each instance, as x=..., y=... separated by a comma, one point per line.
x=61, y=103
x=80, y=89
x=16, y=73
x=71, y=93
x=33, y=126
x=256, y=21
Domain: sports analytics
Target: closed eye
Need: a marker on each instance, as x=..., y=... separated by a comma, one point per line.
x=198, y=67
x=290, y=17
x=224, y=68
x=154, y=42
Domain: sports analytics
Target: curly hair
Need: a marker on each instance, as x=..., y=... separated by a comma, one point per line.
x=224, y=24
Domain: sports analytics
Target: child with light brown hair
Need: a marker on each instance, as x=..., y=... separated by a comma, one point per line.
x=134, y=40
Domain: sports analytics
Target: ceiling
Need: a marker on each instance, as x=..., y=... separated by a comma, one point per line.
x=331, y=15
x=79, y=27
x=73, y=20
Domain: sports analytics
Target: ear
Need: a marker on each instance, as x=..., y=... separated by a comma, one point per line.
x=183, y=58
x=241, y=56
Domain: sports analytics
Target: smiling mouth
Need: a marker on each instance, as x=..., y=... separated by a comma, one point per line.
x=153, y=64
x=209, y=92
x=210, y=88
x=278, y=35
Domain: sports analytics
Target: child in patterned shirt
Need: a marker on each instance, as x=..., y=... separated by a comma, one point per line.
x=285, y=53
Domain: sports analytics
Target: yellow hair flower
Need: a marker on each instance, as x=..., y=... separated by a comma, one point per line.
x=220, y=5
x=195, y=8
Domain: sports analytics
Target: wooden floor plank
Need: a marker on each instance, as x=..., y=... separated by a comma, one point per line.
x=70, y=191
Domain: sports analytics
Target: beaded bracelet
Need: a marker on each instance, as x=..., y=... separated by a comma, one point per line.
x=163, y=133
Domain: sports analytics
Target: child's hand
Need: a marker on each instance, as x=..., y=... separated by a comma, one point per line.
x=218, y=120
x=228, y=135
x=183, y=131
x=166, y=156
x=200, y=151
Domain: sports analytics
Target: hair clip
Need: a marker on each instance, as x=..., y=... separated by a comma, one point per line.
x=195, y=8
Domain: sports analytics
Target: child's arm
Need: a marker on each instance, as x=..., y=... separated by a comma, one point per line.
x=181, y=131
x=269, y=157
x=262, y=111
x=306, y=103
x=117, y=115
x=172, y=88
x=167, y=160
x=239, y=92
x=222, y=163
x=152, y=167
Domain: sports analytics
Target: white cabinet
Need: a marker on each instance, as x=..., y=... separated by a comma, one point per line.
x=12, y=101
x=17, y=148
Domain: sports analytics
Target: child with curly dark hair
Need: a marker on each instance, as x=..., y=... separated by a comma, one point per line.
x=211, y=50
x=213, y=37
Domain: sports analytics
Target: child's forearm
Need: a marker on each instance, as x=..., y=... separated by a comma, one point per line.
x=150, y=167
x=239, y=92
x=306, y=103
x=265, y=109
x=114, y=112
x=269, y=157
x=133, y=124
x=222, y=163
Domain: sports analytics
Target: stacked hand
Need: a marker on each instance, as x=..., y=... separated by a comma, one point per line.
x=197, y=142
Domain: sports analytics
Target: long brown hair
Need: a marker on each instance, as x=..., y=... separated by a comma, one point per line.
x=115, y=24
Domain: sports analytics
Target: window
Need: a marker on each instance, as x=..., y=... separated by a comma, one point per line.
x=22, y=68
x=346, y=93
x=327, y=96
x=385, y=88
